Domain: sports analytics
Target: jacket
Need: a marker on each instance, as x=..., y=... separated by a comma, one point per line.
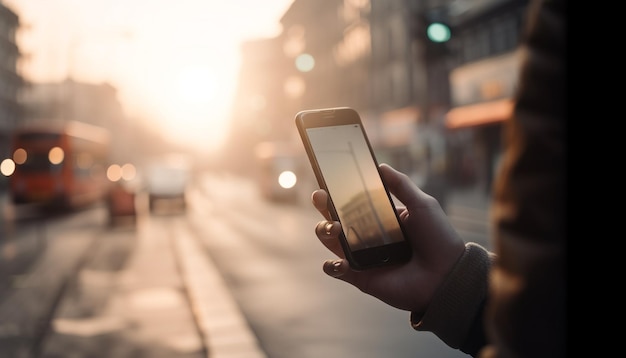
x=512, y=303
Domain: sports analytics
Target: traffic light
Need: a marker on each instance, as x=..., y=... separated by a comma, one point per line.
x=438, y=32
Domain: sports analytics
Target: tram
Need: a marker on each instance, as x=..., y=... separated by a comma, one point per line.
x=60, y=164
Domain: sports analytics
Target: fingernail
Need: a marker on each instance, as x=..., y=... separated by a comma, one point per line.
x=328, y=227
x=333, y=268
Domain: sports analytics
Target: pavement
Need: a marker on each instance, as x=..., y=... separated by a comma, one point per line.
x=208, y=324
x=167, y=300
x=224, y=328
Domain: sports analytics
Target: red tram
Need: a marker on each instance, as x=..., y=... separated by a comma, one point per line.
x=60, y=164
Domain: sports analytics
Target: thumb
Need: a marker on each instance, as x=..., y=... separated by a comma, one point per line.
x=400, y=185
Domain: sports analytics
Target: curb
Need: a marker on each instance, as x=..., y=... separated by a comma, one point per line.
x=224, y=328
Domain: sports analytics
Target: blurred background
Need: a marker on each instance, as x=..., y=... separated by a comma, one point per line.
x=159, y=110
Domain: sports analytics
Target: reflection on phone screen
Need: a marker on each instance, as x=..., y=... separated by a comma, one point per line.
x=363, y=206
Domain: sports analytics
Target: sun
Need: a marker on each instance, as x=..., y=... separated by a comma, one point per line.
x=192, y=110
x=196, y=85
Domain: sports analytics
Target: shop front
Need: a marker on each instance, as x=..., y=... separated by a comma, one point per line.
x=482, y=95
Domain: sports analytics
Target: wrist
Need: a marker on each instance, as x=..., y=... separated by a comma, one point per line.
x=452, y=309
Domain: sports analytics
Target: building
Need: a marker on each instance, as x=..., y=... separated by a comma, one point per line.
x=483, y=78
x=261, y=106
x=433, y=107
x=320, y=59
x=328, y=46
x=399, y=84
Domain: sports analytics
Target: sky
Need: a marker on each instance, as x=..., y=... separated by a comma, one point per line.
x=174, y=63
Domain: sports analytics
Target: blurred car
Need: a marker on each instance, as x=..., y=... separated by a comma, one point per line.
x=121, y=197
x=121, y=202
x=167, y=180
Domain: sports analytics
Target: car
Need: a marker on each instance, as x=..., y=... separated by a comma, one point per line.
x=166, y=181
x=121, y=203
x=121, y=195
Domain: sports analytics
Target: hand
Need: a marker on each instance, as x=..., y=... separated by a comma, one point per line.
x=436, y=248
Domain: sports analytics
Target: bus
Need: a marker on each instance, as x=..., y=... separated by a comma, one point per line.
x=59, y=164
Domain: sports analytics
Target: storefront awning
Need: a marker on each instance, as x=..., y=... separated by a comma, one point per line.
x=479, y=114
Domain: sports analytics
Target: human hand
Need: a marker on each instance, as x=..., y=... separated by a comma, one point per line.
x=436, y=248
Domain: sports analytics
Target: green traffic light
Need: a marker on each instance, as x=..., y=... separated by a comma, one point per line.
x=438, y=32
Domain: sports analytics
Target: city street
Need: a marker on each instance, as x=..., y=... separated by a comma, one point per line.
x=75, y=285
x=158, y=160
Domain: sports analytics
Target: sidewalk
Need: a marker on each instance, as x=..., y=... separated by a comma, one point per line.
x=224, y=327
x=168, y=300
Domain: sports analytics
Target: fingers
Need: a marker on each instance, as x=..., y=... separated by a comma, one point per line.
x=336, y=268
x=328, y=234
x=320, y=202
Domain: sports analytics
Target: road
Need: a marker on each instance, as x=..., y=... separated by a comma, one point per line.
x=272, y=261
x=266, y=253
x=39, y=260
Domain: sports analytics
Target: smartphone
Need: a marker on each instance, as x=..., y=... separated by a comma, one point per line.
x=345, y=166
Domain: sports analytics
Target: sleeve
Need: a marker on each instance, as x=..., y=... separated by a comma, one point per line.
x=455, y=313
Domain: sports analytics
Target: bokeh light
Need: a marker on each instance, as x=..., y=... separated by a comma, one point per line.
x=128, y=171
x=438, y=32
x=56, y=155
x=305, y=62
x=84, y=160
x=20, y=156
x=114, y=172
x=7, y=167
x=287, y=179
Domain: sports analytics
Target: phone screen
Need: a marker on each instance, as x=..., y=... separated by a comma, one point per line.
x=345, y=166
x=363, y=206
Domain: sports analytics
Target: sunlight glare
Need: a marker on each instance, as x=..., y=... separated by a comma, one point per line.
x=181, y=76
x=196, y=85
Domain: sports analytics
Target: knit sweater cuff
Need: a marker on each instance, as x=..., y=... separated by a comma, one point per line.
x=454, y=307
